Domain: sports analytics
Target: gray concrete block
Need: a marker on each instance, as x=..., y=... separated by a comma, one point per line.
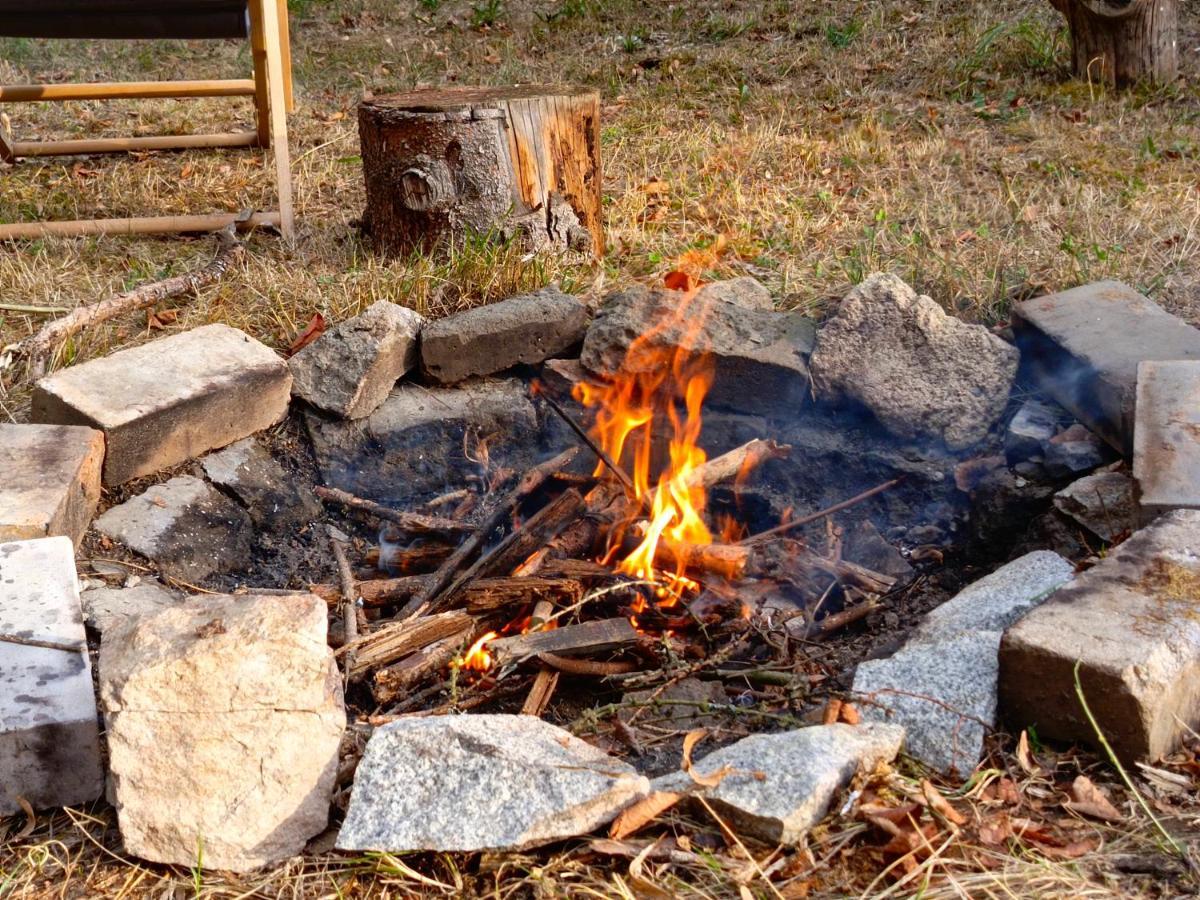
x=49, y=480
x=1131, y=623
x=487, y=339
x=1166, y=451
x=1083, y=347
x=169, y=400
x=49, y=734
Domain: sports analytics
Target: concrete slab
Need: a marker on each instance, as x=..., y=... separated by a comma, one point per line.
x=49, y=734
x=1131, y=622
x=169, y=400
x=50, y=480
x=1166, y=446
x=1083, y=347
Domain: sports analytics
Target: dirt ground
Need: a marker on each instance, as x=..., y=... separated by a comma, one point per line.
x=807, y=144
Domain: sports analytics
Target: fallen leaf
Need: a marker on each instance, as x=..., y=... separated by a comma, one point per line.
x=995, y=830
x=656, y=188
x=849, y=714
x=315, y=328
x=940, y=804
x=642, y=813
x=1089, y=800
x=833, y=711
x=1025, y=756
x=1073, y=850
x=894, y=814
x=30, y=819
x=680, y=281
x=690, y=740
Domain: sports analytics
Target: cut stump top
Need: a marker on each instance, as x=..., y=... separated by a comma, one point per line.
x=446, y=98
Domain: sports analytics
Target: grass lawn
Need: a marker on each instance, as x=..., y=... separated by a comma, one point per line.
x=806, y=143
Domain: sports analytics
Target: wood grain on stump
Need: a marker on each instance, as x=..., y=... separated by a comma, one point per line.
x=1123, y=41
x=516, y=162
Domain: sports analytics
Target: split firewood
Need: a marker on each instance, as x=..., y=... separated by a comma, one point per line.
x=546, y=679
x=408, y=522
x=414, y=560
x=726, y=560
x=398, y=639
x=429, y=597
x=37, y=348
x=392, y=682
x=586, y=637
x=483, y=596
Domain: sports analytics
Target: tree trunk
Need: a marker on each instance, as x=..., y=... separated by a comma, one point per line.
x=519, y=162
x=1123, y=41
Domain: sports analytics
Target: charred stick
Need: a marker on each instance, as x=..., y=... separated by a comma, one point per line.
x=828, y=511
x=483, y=596
x=349, y=594
x=838, y=620
x=413, y=523
x=398, y=639
x=591, y=637
x=416, y=560
x=609, y=463
x=442, y=578
x=727, y=560
x=586, y=666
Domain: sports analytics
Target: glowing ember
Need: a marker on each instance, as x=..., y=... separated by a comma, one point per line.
x=477, y=658
x=630, y=411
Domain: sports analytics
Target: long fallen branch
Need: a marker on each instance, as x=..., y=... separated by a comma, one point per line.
x=37, y=348
x=412, y=523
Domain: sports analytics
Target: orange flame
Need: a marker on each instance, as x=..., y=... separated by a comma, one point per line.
x=477, y=658
x=630, y=411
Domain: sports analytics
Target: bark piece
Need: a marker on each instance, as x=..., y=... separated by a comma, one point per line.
x=224, y=717
x=443, y=163
x=1123, y=41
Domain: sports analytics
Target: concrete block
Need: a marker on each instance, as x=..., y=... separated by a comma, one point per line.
x=49, y=734
x=1131, y=621
x=169, y=400
x=488, y=339
x=1166, y=451
x=49, y=480
x=1083, y=347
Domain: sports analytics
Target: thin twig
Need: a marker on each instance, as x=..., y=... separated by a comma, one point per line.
x=349, y=597
x=413, y=522
x=828, y=511
x=611, y=464
x=45, y=645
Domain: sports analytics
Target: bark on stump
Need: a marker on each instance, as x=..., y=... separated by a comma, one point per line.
x=1123, y=41
x=518, y=162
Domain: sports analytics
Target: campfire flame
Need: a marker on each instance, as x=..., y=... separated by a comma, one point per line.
x=477, y=658
x=630, y=411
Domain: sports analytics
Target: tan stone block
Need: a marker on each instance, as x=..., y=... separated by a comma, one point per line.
x=49, y=480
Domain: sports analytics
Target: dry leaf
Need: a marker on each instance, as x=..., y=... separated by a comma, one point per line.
x=1073, y=850
x=895, y=814
x=642, y=813
x=995, y=830
x=680, y=281
x=833, y=711
x=30, y=819
x=1089, y=800
x=315, y=328
x=187, y=171
x=656, y=188
x=690, y=740
x=1025, y=756
x=940, y=804
x=849, y=714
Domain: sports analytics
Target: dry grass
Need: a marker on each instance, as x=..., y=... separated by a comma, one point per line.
x=939, y=139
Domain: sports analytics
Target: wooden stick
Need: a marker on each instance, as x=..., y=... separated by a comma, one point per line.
x=828, y=511
x=389, y=683
x=138, y=225
x=129, y=90
x=546, y=679
x=835, y=621
x=84, y=146
x=590, y=637
x=730, y=465
x=349, y=594
x=586, y=666
x=442, y=578
x=727, y=560
x=37, y=347
x=609, y=463
x=398, y=639
x=278, y=100
x=483, y=596
x=413, y=523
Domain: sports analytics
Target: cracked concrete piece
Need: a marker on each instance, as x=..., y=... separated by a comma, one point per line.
x=1131, y=622
x=782, y=784
x=942, y=684
x=224, y=716
x=49, y=480
x=525, y=329
x=185, y=525
x=479, y=782
x=170, y=400
x=274, y=499
x=1083, y=347
x=922, y=373
x=349, y=370
x=49, y=733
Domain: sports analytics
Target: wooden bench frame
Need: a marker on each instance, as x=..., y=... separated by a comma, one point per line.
x=271, y=88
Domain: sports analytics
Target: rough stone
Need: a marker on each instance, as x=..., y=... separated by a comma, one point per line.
x=223, y=717
x=1166, y=450
x=1031, y=430
x=863, y=544
x=941, y=685
x=1083, y=347
x=488, y=339
x=746, y=292
x=923, y=373
x=412, y=447
x=1102, y=503
x=758, y=356
x=51, y=480
x=781, y=785
x=1074, y=452
x=105, y=607
x=169, y=400
x=274, y=499
x=561, y=375
x=351, y=368
x=1131, y=623
x=186, y=526
x=49, y=732
x=479, y=782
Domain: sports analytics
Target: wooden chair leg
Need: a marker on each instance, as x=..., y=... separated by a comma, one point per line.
x=278, y=111
x=285, y=53
x=258, y=52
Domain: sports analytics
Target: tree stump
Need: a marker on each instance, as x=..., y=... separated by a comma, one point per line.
x=513, y=162
x=1120, y=42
